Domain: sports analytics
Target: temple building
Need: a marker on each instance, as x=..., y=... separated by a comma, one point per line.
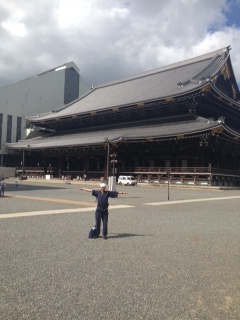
x=180, y=123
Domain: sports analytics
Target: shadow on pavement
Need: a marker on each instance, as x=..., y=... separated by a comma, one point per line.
x=125, y=235
x=14, y=187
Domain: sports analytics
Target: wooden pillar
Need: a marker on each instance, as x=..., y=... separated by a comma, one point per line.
x=202, y=158
x=60, y=167
x=106, y=168
x=85, y=167
x=45, y=165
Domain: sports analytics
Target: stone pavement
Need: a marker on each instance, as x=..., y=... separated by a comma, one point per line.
x=164, y=259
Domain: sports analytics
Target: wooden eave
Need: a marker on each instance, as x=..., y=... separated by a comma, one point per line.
x=143, y=105
x=183, y=127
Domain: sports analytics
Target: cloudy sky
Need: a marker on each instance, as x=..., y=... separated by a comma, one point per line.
x=111, y=39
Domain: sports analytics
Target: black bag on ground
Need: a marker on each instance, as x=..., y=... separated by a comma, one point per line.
x=92, y=233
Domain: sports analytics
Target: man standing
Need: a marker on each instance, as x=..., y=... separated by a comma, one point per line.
x=102, y=207
x=2, y=187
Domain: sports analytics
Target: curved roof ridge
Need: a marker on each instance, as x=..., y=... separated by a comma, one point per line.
x=210, y=69
x=213, y=67
x=166, y=68
x=229, y=99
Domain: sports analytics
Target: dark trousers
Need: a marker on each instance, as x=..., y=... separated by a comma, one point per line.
x=101, y=216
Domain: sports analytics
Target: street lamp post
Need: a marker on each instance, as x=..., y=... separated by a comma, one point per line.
x=23, y=160
x=2, y=160
x=168, y=175
x=108, y=154
x=113, y=161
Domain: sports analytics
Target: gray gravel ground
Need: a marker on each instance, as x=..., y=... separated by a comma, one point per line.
x=169, y=261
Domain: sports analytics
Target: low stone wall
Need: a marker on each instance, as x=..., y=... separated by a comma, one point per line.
x=6, y=172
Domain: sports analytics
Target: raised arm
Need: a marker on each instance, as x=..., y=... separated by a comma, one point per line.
x=88, y=190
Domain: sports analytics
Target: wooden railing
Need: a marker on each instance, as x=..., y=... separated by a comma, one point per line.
x=186, y=175
x=185, y=170
x=33, y=169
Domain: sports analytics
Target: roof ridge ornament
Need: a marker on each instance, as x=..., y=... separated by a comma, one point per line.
x=221, y=120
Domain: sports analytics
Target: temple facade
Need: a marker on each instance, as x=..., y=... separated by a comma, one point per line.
x=178, y=123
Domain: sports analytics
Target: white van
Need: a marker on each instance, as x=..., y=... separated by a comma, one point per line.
x=127, y=180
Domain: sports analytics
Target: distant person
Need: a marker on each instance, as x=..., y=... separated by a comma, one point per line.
x=101, y=213
x=2, y=187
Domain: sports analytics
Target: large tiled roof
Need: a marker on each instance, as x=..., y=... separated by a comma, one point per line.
x=172, y=127
x=172, y=80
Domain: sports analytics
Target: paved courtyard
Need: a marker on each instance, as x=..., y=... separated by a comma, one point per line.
x=164, y=259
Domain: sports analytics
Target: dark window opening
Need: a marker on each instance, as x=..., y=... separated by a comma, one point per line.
x=19, y=129
x=9, y=129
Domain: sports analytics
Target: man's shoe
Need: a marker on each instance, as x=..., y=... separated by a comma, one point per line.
x=105, y=237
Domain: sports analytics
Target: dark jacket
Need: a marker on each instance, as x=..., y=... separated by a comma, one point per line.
x=102, y=198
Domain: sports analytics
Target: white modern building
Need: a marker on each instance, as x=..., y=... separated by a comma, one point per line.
x=37, y=94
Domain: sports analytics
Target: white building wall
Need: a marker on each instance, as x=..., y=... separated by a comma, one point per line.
x=34, y=95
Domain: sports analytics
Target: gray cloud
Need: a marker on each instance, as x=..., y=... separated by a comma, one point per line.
x=110, y=39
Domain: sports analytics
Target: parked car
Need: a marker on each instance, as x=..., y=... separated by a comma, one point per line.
x=127, y=180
